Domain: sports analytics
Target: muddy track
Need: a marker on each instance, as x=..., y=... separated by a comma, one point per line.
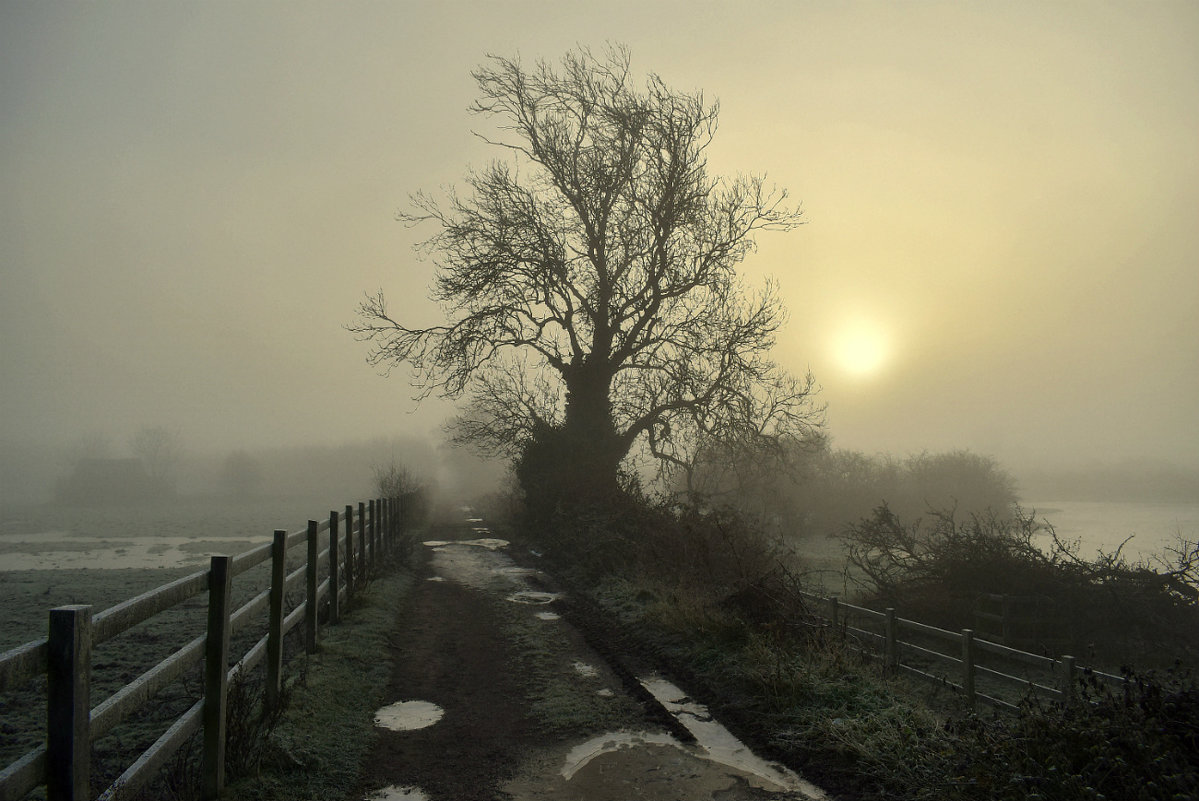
x=540, y=697
x=632, y=652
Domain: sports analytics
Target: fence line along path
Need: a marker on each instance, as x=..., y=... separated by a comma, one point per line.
x=334, y=569
x=982, y=670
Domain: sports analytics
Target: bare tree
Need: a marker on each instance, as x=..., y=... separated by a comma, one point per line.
x=589, y=282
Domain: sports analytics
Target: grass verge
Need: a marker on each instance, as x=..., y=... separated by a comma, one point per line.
x=316, y=750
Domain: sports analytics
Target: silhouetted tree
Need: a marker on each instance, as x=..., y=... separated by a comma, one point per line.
x=159, y=449
x=590, y=284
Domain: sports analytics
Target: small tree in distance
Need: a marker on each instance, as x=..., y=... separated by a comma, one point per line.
x=590, y=288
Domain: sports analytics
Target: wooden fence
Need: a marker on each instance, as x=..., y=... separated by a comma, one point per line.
x=980, y=669
x=333, y=571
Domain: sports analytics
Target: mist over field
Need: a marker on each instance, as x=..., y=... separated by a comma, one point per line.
x=998, y=251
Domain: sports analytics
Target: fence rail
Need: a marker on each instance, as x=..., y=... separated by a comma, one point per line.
x=331, y=576
x=916, y=649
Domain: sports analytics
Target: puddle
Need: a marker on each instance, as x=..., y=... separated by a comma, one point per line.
x=435, y=578
x=490, y=543
x=719, y=744
x=608, y=743
x=548, y=616
x=605, y=693
x=408, y=715
x=534, y=597
x=394, y=793
x=585, y=670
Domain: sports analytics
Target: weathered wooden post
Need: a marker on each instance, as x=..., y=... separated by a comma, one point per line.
x=350, y=561
x=362, y=540
x=216, y=676
x=968, y=667
x=373, y=508
x=835, y=613
x=334, y=594
x=891, y=655
x=1067, y=679
x=274, y=632
x=68, y=704
x=385, y=520
x=311, y=607
x=383, y=543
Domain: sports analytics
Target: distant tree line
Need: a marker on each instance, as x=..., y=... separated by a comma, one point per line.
x=811, y=489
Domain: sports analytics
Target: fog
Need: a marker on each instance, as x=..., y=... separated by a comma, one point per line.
x=1000, y=252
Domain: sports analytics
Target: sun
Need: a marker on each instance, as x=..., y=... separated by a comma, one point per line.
x=861, y=347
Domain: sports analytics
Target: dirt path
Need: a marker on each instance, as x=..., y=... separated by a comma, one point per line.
x=496, y=696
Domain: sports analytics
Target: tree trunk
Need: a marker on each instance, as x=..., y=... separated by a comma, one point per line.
x=574, y=467
x=594, y=449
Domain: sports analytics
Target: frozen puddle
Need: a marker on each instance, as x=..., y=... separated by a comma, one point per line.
x=534, y=597
x=719, y=744
x=408, y=716
x=394, y=793
x=490, y=543
x=584, y=753
x=585, y=670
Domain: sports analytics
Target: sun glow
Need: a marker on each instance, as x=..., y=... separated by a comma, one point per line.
x=861, y=347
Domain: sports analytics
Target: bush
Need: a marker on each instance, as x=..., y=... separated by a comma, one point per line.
x=935, y=569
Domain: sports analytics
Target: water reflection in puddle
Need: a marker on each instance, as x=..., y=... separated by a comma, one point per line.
x=548, y=616
x=394, y=793
x=408, y=715
x=585, y=670
x=534, y=597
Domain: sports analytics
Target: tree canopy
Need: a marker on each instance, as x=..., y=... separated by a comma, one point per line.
x=588, y=278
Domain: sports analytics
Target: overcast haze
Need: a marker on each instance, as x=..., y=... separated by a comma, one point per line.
x=1001, y=201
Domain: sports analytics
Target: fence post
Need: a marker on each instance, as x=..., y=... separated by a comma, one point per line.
x=374, y=512
x=68, y=704
x=835, y=613
x=1068, y=674
x=274, y=632
x=349, y=554
x=362, y=541
x=891, y=657
x=216, y=676
x=386, y=525
x=334, y=601
x=968, y=667
x=311, y=607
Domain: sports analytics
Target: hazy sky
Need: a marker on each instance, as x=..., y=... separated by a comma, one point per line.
x=1002, y=248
